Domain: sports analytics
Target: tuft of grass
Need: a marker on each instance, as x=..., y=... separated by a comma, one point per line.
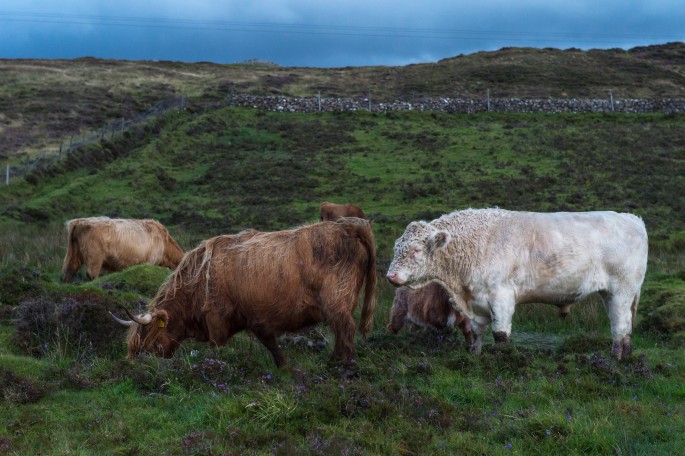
x=272, y=408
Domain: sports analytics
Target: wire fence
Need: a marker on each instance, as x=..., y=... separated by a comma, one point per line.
x=318, y=104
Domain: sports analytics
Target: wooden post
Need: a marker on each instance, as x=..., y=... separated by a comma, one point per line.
x=488, y=98
x=7, y=175
x=319, y=98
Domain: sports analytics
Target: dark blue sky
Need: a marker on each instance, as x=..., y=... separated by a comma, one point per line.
x=317, y=33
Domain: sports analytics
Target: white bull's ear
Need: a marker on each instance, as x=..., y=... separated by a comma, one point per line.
x=438, y=240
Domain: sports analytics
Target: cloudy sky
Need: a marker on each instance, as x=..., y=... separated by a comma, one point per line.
x=326, y=33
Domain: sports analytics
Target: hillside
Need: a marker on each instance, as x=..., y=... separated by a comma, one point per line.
x=233, y=168
x=43, y=102
x=204, y=168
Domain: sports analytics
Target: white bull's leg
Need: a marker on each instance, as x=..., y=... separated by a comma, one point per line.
x=478, y=325
x=619, y=309
x=502, y=306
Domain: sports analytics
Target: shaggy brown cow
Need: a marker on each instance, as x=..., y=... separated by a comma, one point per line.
x=268, y=284
x=333, y=211
x=115, y=244
x=429, y=306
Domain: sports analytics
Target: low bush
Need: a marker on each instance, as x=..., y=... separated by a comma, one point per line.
x=74, y=325
x=662, y=306
x=19, y=390
x=18, y=282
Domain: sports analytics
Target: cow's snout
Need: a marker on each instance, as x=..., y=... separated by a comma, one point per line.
x=393, y=278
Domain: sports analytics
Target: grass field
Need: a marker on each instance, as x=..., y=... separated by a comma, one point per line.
x=67, y=388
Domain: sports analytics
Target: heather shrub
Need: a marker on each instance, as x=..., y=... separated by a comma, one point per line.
x=19, y=390
x=662, y=306
x=19, y=282
x=76, y=325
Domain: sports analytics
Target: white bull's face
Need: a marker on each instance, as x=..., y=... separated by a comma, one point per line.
x=414, y=255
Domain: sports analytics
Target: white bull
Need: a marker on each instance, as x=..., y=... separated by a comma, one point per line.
x=492, y=259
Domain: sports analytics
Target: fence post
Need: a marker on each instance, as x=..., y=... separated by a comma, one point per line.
x=7, y=175
x=369, y=102
x=318, y=96
x=488, y=98
x=611, y=99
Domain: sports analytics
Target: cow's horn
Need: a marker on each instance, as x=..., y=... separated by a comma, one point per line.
x=141, y=320
x=120, y=321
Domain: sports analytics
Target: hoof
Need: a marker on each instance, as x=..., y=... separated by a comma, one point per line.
x=622, y=348
x=475, y=349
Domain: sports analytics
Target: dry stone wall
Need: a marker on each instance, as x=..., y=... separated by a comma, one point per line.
x=461, y=105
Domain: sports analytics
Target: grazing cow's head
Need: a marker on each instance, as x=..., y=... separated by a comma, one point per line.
x=149, y=333
x=414, y=254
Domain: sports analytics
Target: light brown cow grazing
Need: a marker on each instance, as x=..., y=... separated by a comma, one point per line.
x=268, y=284
x=115, y=244
x=333, y=211
x=429, y=306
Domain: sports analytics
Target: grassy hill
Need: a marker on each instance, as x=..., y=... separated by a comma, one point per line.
x=229, y=169
x=206, y=170
x=45, y=101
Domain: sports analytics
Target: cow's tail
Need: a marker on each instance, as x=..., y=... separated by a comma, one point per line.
x=366, y=320
x=73, y=258
x=633, y=307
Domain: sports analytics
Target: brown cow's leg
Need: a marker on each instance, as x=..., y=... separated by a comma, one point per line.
x=94, y=267
x=398, y=313
x=465, y=326
x=218, y=328
x=271, y=343
x=69, y=269
x=343, y=327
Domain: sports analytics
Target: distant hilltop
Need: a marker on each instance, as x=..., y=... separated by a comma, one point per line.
x=260, y=62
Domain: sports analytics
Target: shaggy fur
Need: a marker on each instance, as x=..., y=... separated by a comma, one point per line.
x=429, y=306
x=489, y=260
x=333, y=211
x=268, y=284
x=115, y=244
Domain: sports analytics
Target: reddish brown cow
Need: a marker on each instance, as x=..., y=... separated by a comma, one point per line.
x=429, y=306
x=115, y=244
x=333, y=211
x=268, y=284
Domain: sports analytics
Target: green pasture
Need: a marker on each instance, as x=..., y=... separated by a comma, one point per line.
x=68, y=389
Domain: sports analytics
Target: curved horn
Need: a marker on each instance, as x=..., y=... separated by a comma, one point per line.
x=120, y=321
x=140, y=319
